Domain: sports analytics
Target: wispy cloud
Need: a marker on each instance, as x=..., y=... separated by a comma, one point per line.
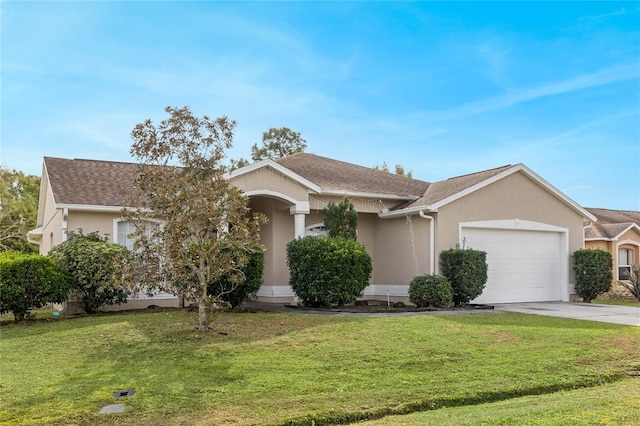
x=600, y=78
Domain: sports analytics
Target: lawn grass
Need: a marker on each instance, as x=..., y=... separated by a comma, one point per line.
x=618, y=302
x=611, y=404
x=267, y=368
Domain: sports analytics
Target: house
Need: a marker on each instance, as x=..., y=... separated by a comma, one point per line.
x=618, y=232
x=528, y=228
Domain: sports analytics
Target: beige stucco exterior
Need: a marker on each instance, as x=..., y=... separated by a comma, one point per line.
x=402, y=243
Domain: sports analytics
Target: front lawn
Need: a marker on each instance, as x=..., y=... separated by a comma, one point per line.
x=267, y=368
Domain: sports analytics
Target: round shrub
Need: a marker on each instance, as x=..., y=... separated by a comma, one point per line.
x=466, y=270
x=593, y=269
x=29, y=281
x=235, y=293
x=430, y=291
x=91, y=263
x=328, y=271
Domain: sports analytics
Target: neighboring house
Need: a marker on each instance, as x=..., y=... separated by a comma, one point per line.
x=618, y=232
x=528, y=228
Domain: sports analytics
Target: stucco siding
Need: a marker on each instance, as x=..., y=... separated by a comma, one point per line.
x=51, y=222
x=401, y=250
x=102, y=223
x=268, y=179
x=514, y=197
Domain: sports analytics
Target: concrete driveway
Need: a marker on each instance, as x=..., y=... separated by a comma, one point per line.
x=626, y=315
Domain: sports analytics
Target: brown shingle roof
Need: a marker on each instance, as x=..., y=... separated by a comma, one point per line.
x=441, y=190
x=334, y=175
x=611, y=223
x=89, y=182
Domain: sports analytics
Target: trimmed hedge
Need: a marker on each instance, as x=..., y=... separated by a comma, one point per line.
x=593, y=269
x=466, y=270
x=430, y=291
x=236, y=293
x=91, y=263
x=328, y=271
x=29, y=281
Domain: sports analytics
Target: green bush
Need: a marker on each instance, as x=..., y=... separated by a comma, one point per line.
x=430, y=291
x=29, y=281
x=593, y=269
x=236, y=293
x=328, y=271
x=466, y=270
x=90, y=263
x=341, y=220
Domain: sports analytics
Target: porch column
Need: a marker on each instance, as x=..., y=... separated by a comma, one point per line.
x=299, y=211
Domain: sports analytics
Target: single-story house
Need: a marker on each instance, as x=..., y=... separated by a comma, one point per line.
x=618, y=232
x=528, y=228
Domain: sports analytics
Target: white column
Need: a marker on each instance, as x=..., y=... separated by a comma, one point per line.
x=299, y=225
x=299, y=211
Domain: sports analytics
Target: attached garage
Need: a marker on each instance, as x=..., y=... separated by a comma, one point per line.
x=528, y=261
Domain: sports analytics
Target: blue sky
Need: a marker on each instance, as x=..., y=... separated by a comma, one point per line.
x=443, y=89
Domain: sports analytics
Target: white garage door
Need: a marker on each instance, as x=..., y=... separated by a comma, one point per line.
x=524, y=266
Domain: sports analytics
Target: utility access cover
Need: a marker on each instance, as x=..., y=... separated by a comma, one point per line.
x=124, y=393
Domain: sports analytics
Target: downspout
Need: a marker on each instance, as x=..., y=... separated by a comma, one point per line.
x=432, y=241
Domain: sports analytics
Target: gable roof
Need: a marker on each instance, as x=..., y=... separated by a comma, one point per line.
x=334, y=176
x=611, y=223
x=89, y=182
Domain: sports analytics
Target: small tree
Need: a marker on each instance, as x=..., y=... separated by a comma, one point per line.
x=278, y=143
x=328, y=271
x=466, y=270
x=91, y=264
x=632, y=282
x=207, y=227
x=341, y=220
x=430, y=290
x=593, y=269
x=18, y=209
x=29, y=281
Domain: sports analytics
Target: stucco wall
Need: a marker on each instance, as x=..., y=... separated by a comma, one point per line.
x=51, y=221
x=268, y=179
x=102, y=223
x=514, y=197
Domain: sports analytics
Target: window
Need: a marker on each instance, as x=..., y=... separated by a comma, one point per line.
x=316, y=230
x=624, y=263
x=125, y=228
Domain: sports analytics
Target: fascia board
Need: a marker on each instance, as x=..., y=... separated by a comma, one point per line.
x=90, y=208
x=405, y=212
x=270, y=163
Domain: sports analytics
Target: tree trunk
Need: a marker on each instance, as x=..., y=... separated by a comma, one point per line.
x=202, y=309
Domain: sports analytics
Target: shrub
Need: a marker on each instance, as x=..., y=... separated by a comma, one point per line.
x=593, y=269
x=328, y=271
x=235, y=293
x=632, y=282
x=29, y=281
x=341, y=220
x=430, y=290
x=466, y=270
x=91, y=262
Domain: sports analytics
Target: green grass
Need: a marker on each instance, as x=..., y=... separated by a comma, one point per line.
x=611, y=404
x=276, y=368
x=619, y=302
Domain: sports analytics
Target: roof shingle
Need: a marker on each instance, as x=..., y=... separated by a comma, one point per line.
x=611, y=223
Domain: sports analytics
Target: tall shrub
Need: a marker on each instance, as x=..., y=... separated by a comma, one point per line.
x=466, y=269
x=593, y=269
x=328, y=271
x=430, y=290
x=240, y=287
x=341, y=220
x=29, y=281
x=91, y=263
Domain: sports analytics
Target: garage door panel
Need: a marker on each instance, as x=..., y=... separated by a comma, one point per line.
x=524, y=266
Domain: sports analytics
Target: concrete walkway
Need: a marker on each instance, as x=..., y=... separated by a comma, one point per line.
x=626, y=315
